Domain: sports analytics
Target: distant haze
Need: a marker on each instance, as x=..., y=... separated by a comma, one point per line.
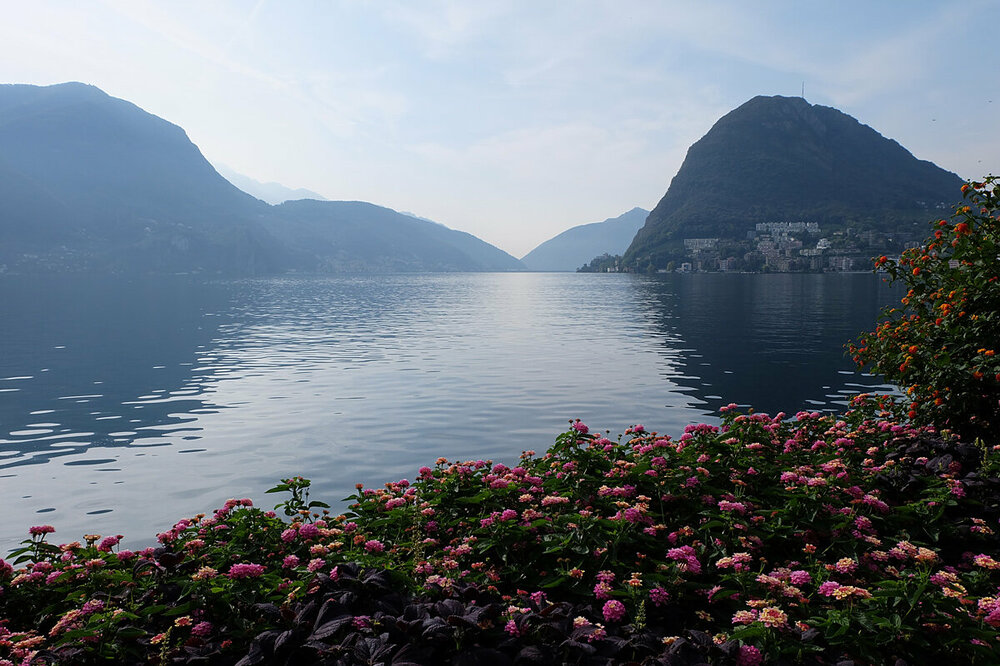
x=578, y=245
x=513, y=120
x=272, y=193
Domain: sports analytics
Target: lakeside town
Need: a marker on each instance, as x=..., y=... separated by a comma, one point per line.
x=777, y=247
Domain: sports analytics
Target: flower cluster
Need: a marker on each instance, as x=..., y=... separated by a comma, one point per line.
x=763, y=538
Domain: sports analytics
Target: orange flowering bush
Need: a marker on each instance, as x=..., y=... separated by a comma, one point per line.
x=941, y=347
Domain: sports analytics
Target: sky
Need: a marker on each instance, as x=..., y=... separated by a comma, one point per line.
x=513, y=120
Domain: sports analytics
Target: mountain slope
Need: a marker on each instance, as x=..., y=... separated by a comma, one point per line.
x=782, y=159
x=113, y=187
x=89, y=182
x=578, y=245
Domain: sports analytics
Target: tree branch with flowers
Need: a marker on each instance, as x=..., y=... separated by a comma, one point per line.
x=941, y=345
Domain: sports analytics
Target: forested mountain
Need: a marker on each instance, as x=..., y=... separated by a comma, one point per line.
x=777, y=159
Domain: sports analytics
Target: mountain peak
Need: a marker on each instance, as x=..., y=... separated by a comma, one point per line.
x=782, y=158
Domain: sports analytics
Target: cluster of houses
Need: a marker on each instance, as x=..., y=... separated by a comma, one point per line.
x=787, y=247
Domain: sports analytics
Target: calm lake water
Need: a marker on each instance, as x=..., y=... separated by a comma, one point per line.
x=127, y=405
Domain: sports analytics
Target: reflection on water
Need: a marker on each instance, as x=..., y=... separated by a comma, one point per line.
x=125, y=405
x=774, y=342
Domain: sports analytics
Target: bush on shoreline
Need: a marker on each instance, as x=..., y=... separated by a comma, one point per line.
x=941, y=346
x=806, y=540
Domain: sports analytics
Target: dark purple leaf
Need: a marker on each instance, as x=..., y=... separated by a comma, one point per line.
x=330, y=627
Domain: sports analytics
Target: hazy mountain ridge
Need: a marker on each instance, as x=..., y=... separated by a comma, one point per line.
x=89, y=182
x=270, y=192
x=351, y=236
x=782, y=159
x=576, y=246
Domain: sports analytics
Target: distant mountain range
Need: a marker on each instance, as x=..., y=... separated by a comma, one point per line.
x=576, y=246
x=89, y=182
x=778, y=159
x=272, y=193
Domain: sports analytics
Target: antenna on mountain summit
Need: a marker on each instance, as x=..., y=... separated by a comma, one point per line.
x=803, y=90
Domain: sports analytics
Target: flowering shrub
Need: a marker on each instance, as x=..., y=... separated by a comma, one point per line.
x=812, y=539
x=943, y=346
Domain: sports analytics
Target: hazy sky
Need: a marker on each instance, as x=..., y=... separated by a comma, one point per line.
x=513, y=120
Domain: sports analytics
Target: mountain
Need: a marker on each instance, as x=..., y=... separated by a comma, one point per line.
x=89, y=182
x=777, y=159
x=272, y=193
x=578, y=245
x=352, y=236
x=93, y=182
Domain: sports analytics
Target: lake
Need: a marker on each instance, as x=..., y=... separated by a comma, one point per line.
x=128, y=404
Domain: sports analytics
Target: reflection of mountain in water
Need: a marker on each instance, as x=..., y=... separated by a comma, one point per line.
x=774, y=342
x=96, y=364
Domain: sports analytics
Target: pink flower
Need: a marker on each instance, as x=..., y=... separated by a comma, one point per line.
x=308, y=531
x=800, y=577
x=613, y=610
x=201, y=629
x=749, y=656
x=581, y=428
x=289, y=535
x=108, y=543
x=846, y=565
x=315, y=564
x=374, y=546
x=92, y=606
x=290, y=562
x=39, y=530
x=508, y=514
x=602, y=590
x=735, y=507
x=659, y=596
x=773, y=616
x=246, y=570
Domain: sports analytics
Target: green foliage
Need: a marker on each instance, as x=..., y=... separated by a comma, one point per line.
x=942, y=345
x=298, y=504
x=602, y=264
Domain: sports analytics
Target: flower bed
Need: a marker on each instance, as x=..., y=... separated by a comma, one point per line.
x=812, y=539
